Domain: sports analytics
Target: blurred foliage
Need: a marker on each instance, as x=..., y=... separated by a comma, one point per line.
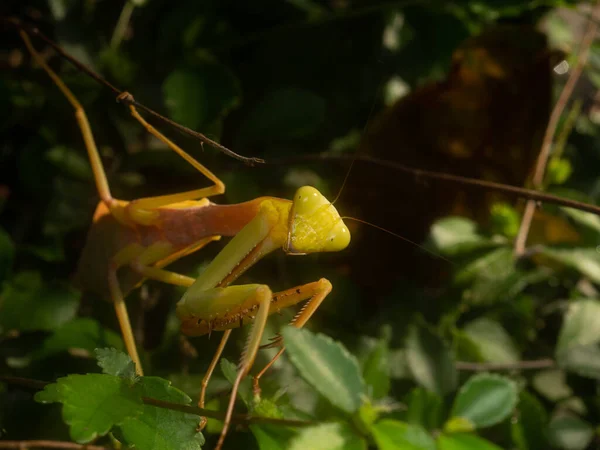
x=458, y=86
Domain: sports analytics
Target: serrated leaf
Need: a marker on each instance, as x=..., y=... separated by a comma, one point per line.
x=528, y=428
x=327, y=366
x=457, y=235
x=424, y=408
x=570, y=433
x=464, y=442
x=584, y=260
x=328, y=436
x=80, y=333
x=92, y=403
x=493, y=342
x=396, y=435
x=115, y=362
x=430, y=361
x=485, y=400
x=577, y=348
x=376, y=369
x=29, y=304
x=160, y=428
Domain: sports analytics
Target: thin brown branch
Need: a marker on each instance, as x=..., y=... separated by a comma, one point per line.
x=516, y=191
x=237, y=418
x=33, y=31
x=543, y=157
x=23, y=445
x=535, y=364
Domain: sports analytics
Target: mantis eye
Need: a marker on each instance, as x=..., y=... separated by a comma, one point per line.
x=315, y=224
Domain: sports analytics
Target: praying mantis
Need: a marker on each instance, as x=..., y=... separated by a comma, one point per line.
x=130, y=241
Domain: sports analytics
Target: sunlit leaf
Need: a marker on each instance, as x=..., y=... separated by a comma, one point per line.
x=327, y=366
x=485, y=400
x=456, y=235
x=115, y=362
x=396, y=435
x=584, y=260
x=328, y=436
x=93, y=403
x=493, y=342
x=570, y=433
x=161, y=428
x=578, y=343
x=430, y=361
x=463, y=441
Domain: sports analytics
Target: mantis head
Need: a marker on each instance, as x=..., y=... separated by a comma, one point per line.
x=314, y=225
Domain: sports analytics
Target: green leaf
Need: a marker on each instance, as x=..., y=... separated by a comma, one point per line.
x=115, y=362
x=464, y=441
x=504, y=219
x=494, y=277
x=200, y=95
x=30, y=304
x=577, y=349
x=584, y=260
x=527, y=429
x=570, y=433
x=587, y=219
x=81, y=333
x=493, y=342
x=283, y=114
x=92, y=403
x=7, y=254
x=161, y=428
x=229, y=369
x=72, y=162
x=376, y=369
x=552, y=384
x=424, y=408
x=430, y=361
x=485, y=400
x=396, y=435
x=328, y=436
x=457, y=235
x=327, y=366
x=271, y=437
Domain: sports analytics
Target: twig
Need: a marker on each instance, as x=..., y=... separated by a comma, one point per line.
x=238, y=418
x=530, y=194
x=542, y=161
x=519, y=365
x=24, y=445
x=128, y=99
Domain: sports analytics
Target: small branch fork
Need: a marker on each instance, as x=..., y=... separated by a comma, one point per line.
x=128, y=99
x=543, y=157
